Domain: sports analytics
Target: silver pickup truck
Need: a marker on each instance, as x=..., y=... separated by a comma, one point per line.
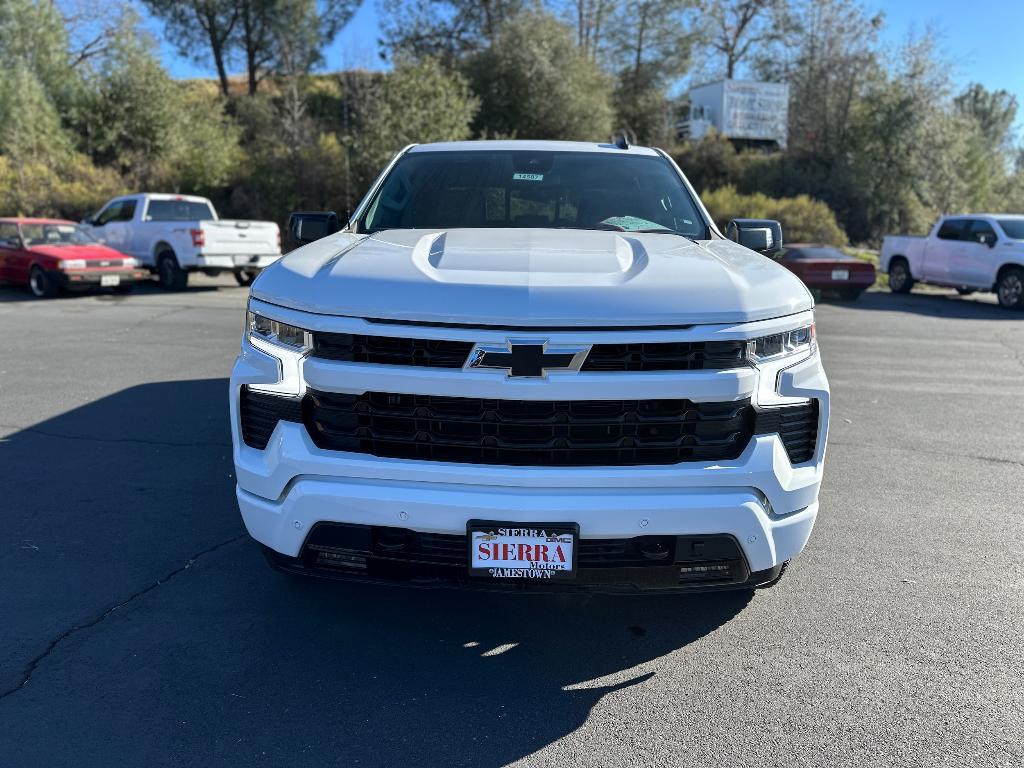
x=174, y=235
x=975, y=252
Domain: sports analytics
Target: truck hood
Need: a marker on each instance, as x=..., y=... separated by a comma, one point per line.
x=532, y=277
x=90, y=252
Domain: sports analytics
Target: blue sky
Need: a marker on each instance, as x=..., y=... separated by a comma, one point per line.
x=984, y=39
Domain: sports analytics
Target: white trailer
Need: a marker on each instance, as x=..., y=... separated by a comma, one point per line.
x=738, y=109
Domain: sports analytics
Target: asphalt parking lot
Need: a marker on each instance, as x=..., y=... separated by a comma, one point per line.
x=140, y=626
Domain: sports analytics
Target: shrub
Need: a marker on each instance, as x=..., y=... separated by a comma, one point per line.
x=803, y=220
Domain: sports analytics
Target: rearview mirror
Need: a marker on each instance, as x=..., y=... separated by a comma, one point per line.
x=307, y=226
x=761, y=235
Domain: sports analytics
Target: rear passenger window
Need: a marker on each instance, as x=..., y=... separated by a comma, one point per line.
x=952, y=229
x=981, y=232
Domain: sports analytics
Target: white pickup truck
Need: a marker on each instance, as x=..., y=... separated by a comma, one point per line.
x=173, y=235
x=976, y=252
x=531, y=363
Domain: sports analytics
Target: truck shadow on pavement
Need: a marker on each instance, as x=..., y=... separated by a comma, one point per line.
x=145, y=628
x=947, y=305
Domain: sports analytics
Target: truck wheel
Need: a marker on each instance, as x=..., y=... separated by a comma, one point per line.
x=1010, y=288
x=172, y=277
x=41, y=284
x=900, y=280
x=245, y=277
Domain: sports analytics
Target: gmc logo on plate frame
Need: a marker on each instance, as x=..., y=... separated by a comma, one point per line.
x=528, y=358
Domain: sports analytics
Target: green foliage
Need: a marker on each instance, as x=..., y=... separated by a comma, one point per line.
x=803, y=220
x=418, y=102
x=535, y=83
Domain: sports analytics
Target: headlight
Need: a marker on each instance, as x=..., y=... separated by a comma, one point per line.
x=71, y=264
x=799, y=341
x=280, y=334
x=128, y=262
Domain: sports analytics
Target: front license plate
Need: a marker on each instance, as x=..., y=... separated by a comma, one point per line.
x=108, y=281
x=520, y=551
x=840, y=274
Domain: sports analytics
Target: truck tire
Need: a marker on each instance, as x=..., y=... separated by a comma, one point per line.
x=245, y=277
x=41, y=284
x=900, y=279
x=1010, y=288
x=172, y=276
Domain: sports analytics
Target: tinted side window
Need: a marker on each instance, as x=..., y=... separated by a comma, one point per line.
x=110, y=213
x=127, y=211
x=981, y=232
x=178, y=210
x=952, y=229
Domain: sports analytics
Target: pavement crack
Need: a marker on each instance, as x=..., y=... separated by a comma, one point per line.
x=1017, y=354
x=31, y=667
x=139, y=440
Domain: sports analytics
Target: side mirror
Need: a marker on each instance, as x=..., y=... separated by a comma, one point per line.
x=761, y=235
x=307, y=226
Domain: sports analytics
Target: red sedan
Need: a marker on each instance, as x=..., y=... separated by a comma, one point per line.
x=829, y=269
x=49, y=255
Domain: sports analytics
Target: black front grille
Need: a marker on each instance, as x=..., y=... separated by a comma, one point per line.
x=700, y=558
x=530, y=432
x=260, y=412
x=385, y=350
x=672, y=356
x=433, y=353
x=797, y=425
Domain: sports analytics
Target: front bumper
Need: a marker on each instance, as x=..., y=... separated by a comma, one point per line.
x=86, y=278
x=235, y=261
x=762, y=500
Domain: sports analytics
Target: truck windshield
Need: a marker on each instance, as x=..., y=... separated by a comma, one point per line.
x=548, y=189
x=1014, y=228
x=178, y=210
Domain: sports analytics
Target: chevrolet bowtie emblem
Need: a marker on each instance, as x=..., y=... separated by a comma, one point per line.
x=528, y=358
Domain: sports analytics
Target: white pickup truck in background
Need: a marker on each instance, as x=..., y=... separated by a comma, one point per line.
x=976, y=252
x=173, y=235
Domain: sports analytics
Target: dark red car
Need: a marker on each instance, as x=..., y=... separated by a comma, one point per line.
x=48, y=255
x=829, y=269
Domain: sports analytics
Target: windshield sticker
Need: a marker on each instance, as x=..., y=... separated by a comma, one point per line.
x=527, y=177
x=633, y=223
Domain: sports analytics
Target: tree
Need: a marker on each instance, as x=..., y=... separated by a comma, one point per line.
x=33, y=38
x=591, y=19
x=649, y=45
x=994, y=111
x=445, y=29
x=253, y=30
x=535, y=83
x=192, y=24
x=738, y=28
x=418, y=102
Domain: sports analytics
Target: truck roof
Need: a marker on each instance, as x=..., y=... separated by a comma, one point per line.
x=168, y=196
x=530, y=146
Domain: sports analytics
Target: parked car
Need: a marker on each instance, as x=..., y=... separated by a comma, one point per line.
x=173, y=235
x=826, y=268
x=976, y=252
x=531, y=363
x=49, y=255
